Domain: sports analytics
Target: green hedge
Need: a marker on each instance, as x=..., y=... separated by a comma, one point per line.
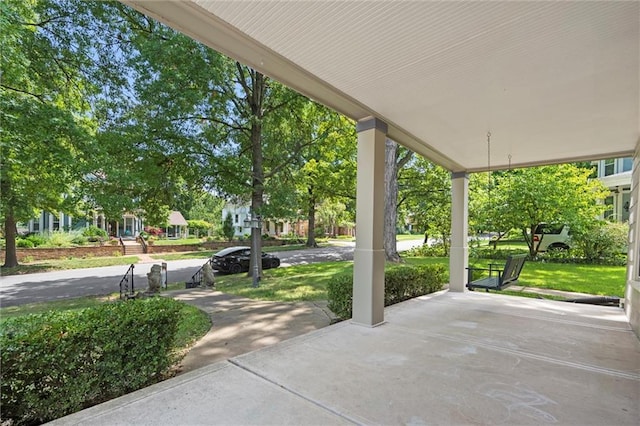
x=401, y=282
x=59, y=362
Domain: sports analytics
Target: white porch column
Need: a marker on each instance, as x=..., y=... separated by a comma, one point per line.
x=459, y=256
x=632, y=290
x=368, y=266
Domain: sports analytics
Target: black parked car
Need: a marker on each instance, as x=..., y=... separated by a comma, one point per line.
x=237, y=259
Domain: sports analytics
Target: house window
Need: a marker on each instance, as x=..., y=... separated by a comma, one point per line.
x=239, y=229
x=608, y=212
x=627, y=164
x=609, y=167
x=237, y=219
x=56, y=222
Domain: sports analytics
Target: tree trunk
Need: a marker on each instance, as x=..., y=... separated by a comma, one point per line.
x=255, y=99
x=311, y=217
x=390, y=201
x=445, y=244
x=533, y=247
x=10, y=255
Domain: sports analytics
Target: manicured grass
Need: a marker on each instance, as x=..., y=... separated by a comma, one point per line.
x=193, y=324
x=58, y=305
x=296, y=283
x=290, y=284
x=409, y=237
x=507, y=245
x=590, y=279
x=73, y=263
x=308, y=282
x=177, y=242
x=205, y=254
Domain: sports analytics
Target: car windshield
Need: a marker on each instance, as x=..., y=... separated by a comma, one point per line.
x=229, y=250
x=546, y=228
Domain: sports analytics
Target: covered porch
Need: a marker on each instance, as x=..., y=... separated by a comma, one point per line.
x=552, y=82
x=447, y=358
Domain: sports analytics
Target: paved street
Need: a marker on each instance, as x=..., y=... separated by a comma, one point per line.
x=21, y=289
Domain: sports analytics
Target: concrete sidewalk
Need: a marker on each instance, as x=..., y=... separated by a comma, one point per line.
x=447, y=358
x=241, y=325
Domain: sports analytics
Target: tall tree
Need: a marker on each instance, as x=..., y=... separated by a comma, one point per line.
x=524, y=198
x=228, y=122
x=326, y=168
x=395, y=159
x=46, y=139
x=425, y=198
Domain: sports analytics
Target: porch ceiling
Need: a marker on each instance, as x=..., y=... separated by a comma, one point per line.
x=552, y=81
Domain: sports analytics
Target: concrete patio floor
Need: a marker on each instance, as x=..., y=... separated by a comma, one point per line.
x=447, y=358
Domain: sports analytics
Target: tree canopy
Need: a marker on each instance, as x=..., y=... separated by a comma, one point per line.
x=524, y=198
x=47, y=132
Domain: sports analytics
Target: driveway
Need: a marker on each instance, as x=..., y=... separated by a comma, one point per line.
x=21, y=289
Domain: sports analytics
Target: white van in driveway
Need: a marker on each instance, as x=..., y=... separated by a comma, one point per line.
x=552, y=237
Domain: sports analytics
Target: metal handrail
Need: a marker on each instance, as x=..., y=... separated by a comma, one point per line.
x=144, y=244
x=196, y=279
x=126, y=291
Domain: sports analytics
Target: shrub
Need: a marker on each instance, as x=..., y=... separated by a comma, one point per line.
x=401, y=282
x=36, y=239
x=80, y=240
x=227, y=227
x=157, y=232
x=22, y=243
x=59, y=362
x=604, y=242
x=199, y=227
x=404, y=282
x=94, y=233
x=340, y=295
x=59, y=239
x=436, y=250
x=496, y=254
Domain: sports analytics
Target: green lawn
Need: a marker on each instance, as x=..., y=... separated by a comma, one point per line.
x=409, y=237
x=73, y=263
x=308, y=282
x=204, y=254
x=290, y=284
x=58, y=305
x=177, y=242
x=511, y=245
x=590, y=279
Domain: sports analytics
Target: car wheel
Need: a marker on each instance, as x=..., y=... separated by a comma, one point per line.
x=235, y=268
x=275, y=263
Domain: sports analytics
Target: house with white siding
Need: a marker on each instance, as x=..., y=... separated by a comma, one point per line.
x=615, y=174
